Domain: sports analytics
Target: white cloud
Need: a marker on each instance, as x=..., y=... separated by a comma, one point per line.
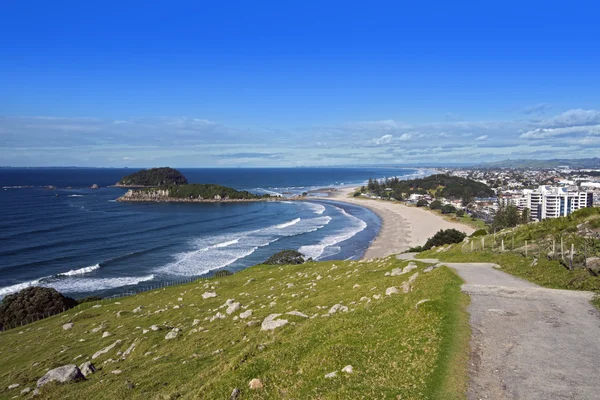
x=545, y=133
x=482, y=137
x=574, y=117
x=385, y=139
x=406, y=136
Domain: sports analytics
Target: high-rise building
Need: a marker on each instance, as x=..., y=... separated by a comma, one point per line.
x=550, y=202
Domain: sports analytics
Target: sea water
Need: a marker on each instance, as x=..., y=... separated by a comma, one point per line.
x=82, y=242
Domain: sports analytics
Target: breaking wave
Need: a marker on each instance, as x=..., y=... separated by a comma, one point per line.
x=320, y=249
x=220, y=251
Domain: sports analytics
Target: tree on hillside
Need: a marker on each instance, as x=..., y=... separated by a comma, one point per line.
x=506, y=217
x=460, y=213
x=525, y=216
x=467, y=198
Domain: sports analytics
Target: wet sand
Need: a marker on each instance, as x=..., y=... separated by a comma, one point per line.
x=402, y=226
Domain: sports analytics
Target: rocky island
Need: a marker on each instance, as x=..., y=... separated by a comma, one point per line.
x=167, y=185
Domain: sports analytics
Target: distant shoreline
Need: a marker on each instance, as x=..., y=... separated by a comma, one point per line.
x=402, y=227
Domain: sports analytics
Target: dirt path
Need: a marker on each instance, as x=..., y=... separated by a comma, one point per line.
x=529, y=342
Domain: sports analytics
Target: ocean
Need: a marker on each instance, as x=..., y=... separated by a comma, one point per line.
x=82, y=242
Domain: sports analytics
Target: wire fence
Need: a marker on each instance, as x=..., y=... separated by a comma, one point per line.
x=571, y=249
x=106, y=300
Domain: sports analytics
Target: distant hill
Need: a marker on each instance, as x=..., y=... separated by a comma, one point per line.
x=591, y=163
x=153, y=177
x=452, y=187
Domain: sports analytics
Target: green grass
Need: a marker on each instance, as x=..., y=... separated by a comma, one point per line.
x=547, y=273
x=397, y=351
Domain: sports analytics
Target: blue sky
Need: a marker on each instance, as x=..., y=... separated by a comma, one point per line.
x=296, y=82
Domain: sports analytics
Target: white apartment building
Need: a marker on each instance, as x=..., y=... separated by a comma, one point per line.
x=550, y=202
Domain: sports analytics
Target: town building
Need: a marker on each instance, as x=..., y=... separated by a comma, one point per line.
x=549, y=201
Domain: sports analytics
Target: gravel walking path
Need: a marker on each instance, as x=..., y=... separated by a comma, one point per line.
x=529, y=342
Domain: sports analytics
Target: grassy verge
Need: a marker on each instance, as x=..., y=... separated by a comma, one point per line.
x=546, y=273
x=396, y=350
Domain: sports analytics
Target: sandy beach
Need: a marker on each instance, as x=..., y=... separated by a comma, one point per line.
x=402, y=226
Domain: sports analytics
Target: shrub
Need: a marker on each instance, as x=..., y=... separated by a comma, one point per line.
x=435, y=205
x=286, y=257
x=356, y=194
x=460, y=213
x=442, y=237
x=448, y=209
x=479, y=232
x=416, y=249
x=422, y=203
x=32, y=303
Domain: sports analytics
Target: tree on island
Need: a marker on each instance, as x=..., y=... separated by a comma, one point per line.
x=154, y=177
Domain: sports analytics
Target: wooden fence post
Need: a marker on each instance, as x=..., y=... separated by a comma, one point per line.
x=526, y=249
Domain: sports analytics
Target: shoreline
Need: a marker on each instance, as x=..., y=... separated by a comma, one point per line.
x=402, y=227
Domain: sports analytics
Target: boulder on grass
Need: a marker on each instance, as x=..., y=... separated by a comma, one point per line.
x=64, y=374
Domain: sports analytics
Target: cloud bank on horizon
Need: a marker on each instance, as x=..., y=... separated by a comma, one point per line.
x=194, y=142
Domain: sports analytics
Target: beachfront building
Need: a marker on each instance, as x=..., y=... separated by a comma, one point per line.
x=550, y=201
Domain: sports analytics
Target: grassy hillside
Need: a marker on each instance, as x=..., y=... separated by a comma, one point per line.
x=533, y=251
x=396, y=348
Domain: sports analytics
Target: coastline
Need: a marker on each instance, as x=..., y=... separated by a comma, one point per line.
x=402, y=227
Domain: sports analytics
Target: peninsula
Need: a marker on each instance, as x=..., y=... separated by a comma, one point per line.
x=168, y=185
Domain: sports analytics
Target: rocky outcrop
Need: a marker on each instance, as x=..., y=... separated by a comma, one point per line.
x=64, y=374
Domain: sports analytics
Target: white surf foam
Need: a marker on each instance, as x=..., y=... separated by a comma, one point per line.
x=316, y=208
x=224, y=244
x=220, y=251
x=5, y=291
x=75, y=195
x=73, y=284
x=290, y=223
x=316, y=251
x=80, y=271
x=89, y=285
